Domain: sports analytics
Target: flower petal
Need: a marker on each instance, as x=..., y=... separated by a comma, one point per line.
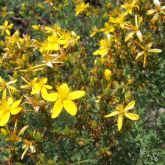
x=63, y=89
x=120, y=122
x=57, y=108
x=132, y=116
x=4, y=118
x=112, y=114
x=43, y=80
x=155, y=50
x=139, y=55
x=10, y=101
x=155, y=18
x=130, y=105
x=48, y=86
x=35, y=89
x=145, y=60
x=16, y=110
x=129, y=36
x=48, y=96
x=70, y=107
x=76, y=94
x=16, y=103
x=149, y=12
x=139, y=35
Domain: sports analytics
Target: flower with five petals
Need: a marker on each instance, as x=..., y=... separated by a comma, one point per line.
x=64, y=98
x=121, y=112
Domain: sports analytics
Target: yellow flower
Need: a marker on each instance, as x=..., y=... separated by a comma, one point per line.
x=146, y=50
x=8, y=106
x=4, y=86
x=121, y=112
x=95, y=30
x=107, y=74
x=5, y=28
x=120, y=20
x=108, y=28
x=157, y=11
x=130, y=6
x=104, y=47
x=135, y=29
x=59, y=39
x=64, y=98
x=81, y=7
x=28, y=144
x=38, y=85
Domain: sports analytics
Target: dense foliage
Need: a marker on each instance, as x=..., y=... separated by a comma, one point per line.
x=82, y=82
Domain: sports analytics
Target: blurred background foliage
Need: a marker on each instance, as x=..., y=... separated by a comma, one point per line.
x=88, y=138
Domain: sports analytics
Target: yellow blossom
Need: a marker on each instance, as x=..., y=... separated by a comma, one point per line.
x=95, y=30
x=135, y=29
x=81, y=7
x=4, y=86
x=8, y=106
x=120, y=20
x=104, y=47
x=123, y=111
x=38, y=85
x=28, y=145
x=129, y=6
x=64, y=98
x=108, y=28
x=107, y=74
x=157, y=11
x=146, y=50
x=5, y=28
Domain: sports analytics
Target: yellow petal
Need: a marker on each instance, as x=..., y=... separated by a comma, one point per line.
x=139, y=35
x=76, y=94
x=7, y=32
x=43, y=80
x=70, y=107
x=4, y=93
x=16, y=110
x=52, y=46
x=57, y=108
x=4, y=118
x=5, y=23
x=63, y=42
x=139, y=55
x=48, y=96
x=132, y=116
x=120, y=122
x=112, y=114
x=149, y=12
x=155, y=50
x=101, y=51
x=129, y=36
x=130, y=106
x=144, y=60
x=48, y=86
x=35, y=89
x=3, y=131
x=10, y=101
x=22, y=130
x=63, y=89
x=16, y=103
x=155, y=18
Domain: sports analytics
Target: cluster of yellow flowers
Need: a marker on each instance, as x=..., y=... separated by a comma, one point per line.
x=120, y=21
x=19, y=50
x=121, y=25
x=23, y=57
